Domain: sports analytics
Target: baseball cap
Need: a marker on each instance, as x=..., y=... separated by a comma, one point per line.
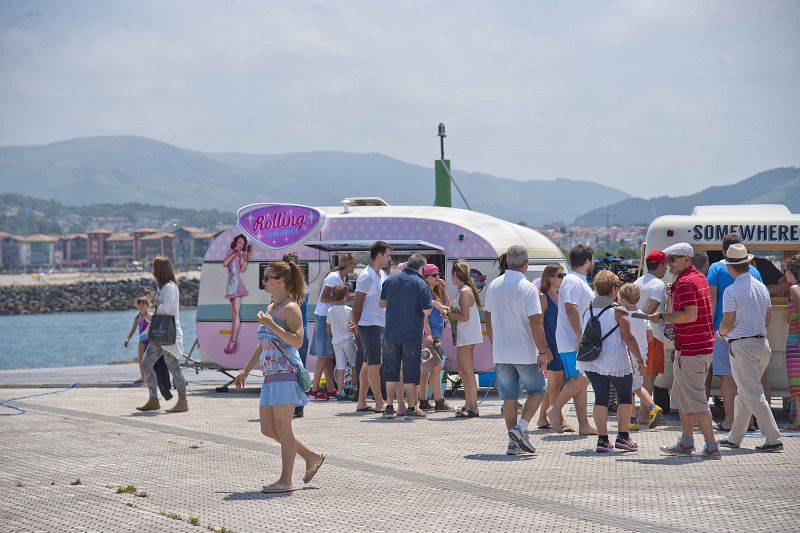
x=656, y=256
x=429, y=270
x=681, y=249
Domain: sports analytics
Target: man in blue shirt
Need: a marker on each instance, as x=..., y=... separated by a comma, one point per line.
x=720, y=279
x=407, y=301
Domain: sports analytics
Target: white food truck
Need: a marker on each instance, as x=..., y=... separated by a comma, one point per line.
x=770, y=232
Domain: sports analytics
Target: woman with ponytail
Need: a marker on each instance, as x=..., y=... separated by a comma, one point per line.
x=280, y=334
x=468, y=334
x=322, y=344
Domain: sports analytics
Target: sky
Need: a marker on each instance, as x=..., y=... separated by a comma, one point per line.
x=654, y=98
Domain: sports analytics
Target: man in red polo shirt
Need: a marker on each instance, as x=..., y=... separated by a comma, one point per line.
x=694, y=343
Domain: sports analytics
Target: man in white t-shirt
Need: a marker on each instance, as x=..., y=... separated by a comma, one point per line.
x=652, y=300
x=514, y=324
x=369, y=319
x=574, y=298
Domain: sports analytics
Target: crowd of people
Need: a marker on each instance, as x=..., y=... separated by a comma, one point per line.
x=388, y=334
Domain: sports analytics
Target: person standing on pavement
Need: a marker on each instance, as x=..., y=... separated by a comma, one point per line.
x=792, y=272
x=700, y=262
x=618, y=360
x=167, y=301
x=279, y=335
x=469, y=333
x=574, y=298
x=693, y=327
x=407, y=301
x=369, y=319
x=435, y=323
x=719, y=280
x=550, y=283
x=652, y=297
x=322, y=344
x=746, y=313
x=515, y=327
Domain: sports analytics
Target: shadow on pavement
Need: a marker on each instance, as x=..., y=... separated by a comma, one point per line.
x=555, y=437
x=258, y=495
x=497, y=457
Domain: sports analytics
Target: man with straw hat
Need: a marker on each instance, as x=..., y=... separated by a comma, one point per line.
x=745, y=317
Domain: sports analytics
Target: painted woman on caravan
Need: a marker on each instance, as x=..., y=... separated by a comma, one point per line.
x=279, y=335
x=468, y=334
x=236, y=262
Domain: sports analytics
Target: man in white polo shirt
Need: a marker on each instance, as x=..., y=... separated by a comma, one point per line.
x=745, y=317
x=515, y=327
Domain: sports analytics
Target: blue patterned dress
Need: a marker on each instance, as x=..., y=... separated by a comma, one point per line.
x=280, y=377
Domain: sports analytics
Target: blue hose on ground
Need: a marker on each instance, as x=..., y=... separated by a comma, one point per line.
x=20, y=410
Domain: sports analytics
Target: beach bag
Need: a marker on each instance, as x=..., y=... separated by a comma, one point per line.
x=303, y=377
x=162, y=330
x=592, y=343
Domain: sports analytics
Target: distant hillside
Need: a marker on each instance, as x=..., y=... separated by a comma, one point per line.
x=23, y=215
x=135, y=169
x=777, y=186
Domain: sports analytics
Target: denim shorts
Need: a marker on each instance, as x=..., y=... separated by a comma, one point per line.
x=370, y=344
x=510, y=377
x=409, y=354
x=321, y=344
x=570, y=360
x=721, y=358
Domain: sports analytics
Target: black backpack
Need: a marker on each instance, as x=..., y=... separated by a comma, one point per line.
x=592, y=343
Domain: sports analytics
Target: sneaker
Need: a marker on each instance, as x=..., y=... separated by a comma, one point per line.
x=425, y=405
x=521, y=438
x=322, y=396
x=678, y=449
x=513, y=449
x=312, y=394
x=388, y=413
x=655, y=417
x=710, y=453
x=603, y=446
x=298, y=412
x=416, y=412
x=777, y=447
x=633, y=425
x=625, y=444
x=725, y=443
x=353, y=395
x=341, y=396
x=441, y=406
x=401, y=414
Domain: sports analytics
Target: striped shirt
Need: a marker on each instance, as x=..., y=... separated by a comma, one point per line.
x=691, y=289
x=749, y=299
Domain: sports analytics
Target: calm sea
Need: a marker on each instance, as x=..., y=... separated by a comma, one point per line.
x=74, y=339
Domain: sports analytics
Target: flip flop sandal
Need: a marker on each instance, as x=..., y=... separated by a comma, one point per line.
x=460, y=412
x=566, y=428
x=366, y=410
x=718, y=427
x=469, y=413
x=545, y=426
x=313, y=471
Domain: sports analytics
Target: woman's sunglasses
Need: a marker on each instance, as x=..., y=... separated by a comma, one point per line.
x=560, y=275
x=433, y=275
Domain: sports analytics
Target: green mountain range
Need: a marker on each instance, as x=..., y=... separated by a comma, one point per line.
x=135, y=169
x=777, y=186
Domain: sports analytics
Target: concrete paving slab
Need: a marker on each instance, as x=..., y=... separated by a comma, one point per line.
x=440, y=473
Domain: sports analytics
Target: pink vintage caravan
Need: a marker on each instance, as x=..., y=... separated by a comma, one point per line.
x=231, y=294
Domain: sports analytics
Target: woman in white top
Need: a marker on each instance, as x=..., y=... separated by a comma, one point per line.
x=167, y=301
x=468, y=334
x=614, y=364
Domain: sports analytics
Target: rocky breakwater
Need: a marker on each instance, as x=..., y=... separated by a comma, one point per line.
x=114, y=295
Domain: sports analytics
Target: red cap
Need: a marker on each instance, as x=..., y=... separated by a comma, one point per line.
x=656, y=256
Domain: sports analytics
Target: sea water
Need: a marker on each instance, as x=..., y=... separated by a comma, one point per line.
x=75, y=339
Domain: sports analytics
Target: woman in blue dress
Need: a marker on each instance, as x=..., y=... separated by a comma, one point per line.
x=280, y=334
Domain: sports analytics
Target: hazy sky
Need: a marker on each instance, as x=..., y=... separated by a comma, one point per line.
x=651, y=97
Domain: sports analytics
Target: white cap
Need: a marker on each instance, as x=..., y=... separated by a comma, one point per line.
x=681, y=249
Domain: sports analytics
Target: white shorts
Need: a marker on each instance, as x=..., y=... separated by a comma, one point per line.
x=638, y=379
x=345, y=353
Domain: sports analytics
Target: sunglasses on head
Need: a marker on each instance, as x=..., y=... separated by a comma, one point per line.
x=271, y=277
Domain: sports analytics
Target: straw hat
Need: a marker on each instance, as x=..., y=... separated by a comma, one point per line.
x=737, y=255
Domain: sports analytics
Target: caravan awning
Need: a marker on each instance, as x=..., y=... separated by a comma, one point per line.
x=364, y=246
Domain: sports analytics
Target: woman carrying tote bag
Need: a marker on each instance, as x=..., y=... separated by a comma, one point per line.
x=167, y=302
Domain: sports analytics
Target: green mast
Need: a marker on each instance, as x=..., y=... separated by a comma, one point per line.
x=442, y=170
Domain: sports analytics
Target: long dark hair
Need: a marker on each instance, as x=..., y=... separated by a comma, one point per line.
x=235, y=239
x=549, y=271
x=461, y=270
x=163, y=271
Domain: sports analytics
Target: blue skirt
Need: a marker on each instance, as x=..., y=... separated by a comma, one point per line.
x=282, y=393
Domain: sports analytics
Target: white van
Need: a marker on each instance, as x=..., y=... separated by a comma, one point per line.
x=770, y=232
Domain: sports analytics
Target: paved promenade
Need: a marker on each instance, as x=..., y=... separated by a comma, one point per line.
x=63, y=460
